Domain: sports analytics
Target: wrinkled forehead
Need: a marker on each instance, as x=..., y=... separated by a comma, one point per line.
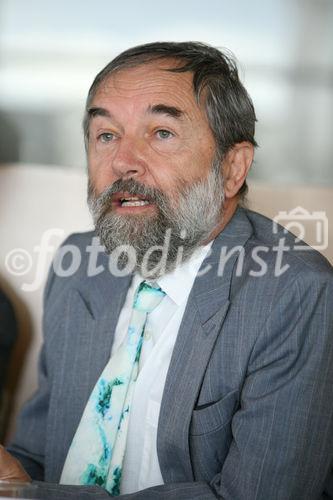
x=148, y=79
x=136, y=94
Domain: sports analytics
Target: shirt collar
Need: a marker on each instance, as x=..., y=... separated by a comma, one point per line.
x=178, y=283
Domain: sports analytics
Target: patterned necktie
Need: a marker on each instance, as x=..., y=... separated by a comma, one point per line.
x=97, y=450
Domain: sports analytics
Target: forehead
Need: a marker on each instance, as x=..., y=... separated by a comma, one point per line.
x=150, y=83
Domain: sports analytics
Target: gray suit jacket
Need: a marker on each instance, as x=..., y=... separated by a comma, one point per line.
x=247, y=409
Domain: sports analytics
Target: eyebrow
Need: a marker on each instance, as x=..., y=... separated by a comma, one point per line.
x=92, y=112
x=154, y=109
x=165, y=110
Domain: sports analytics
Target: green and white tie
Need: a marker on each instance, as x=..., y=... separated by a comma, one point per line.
x=96, y=454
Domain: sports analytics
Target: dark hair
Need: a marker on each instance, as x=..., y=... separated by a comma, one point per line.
x=229, y=108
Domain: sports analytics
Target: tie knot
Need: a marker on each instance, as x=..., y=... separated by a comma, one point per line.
x=147, y=297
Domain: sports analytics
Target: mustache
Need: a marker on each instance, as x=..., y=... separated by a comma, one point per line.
x=132, y=187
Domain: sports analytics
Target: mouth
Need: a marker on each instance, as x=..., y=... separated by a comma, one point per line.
x=125, y=202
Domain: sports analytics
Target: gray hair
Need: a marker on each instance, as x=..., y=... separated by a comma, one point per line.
x=229, y=108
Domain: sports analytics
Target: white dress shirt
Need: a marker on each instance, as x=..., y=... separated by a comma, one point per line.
x=141, y=467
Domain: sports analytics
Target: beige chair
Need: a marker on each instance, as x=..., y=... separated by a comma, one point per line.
x=34, y=200
x=39, y=202
x=305, y=211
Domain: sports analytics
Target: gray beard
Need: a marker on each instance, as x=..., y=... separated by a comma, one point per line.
x=156, y=244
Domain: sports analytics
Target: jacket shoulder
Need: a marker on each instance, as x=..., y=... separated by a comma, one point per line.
x=70, y=264
x=81, y=240
x=296, y=253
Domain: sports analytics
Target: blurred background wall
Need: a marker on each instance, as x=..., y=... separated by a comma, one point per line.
x=49, y=54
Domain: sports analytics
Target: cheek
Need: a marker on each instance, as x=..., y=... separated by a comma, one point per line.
x=194, y=167
x=100, y=176
x=98, y=158
x=166, y=174
x=173, y=174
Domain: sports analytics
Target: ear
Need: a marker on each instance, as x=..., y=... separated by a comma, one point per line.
x=236, y=165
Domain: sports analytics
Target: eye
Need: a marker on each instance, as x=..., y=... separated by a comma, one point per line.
x=106, y=137
x=164, y=134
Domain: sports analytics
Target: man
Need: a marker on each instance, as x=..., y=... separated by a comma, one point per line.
x=202, y=365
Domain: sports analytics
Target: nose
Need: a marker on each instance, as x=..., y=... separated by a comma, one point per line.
x=129, y=159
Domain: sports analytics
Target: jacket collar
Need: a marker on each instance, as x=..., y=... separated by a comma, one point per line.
x=212, y=285
x=206, y=309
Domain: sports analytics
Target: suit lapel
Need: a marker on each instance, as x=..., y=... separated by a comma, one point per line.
x=90, y=313
x=96, y=307
x=204, y=315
